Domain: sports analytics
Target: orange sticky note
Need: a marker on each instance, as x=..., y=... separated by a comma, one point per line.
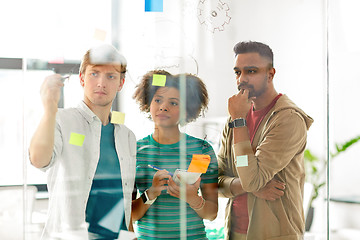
x=199, y=163
x=117, y=117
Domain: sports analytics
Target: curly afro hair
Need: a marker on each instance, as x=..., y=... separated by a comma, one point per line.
x=197, y=98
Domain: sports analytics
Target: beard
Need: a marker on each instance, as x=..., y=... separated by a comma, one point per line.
x=252, y=91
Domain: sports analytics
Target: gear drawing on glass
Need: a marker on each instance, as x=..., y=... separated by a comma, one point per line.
x=163, y=48
x=214, y=14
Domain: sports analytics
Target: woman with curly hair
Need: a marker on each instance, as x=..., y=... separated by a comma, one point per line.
x=157, y=210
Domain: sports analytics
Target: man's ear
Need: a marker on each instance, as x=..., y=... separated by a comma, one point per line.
x=271, y=74
x=81, y=76
x=122, y=81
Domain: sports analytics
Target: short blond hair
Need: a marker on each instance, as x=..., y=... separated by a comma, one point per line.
x=109, y=56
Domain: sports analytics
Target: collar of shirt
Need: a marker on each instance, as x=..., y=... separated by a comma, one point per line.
x=86, y=112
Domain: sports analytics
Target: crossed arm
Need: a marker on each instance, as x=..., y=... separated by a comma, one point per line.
x=230, y=184
x=272, y=190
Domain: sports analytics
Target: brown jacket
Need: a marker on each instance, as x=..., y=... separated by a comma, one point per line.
x=277, y=152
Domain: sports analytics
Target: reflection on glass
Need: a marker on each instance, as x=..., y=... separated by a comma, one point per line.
x=190, y=32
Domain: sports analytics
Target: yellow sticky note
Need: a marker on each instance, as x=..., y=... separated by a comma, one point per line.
x=76, y=139
x=117, y=117
x=159, y=80
x=242, y=161
x=100, y=35
x=199, y=163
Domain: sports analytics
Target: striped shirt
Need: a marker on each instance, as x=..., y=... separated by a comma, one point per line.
x=162, y=220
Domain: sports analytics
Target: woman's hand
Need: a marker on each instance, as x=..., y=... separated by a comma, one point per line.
x=192, y=197
x=159, y=183
x=206, y=206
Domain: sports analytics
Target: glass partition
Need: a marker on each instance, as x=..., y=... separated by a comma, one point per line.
x=312, y=41
x=344, y=146
x=199, y=39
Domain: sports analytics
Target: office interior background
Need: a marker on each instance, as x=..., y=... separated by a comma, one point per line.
x=316, y=55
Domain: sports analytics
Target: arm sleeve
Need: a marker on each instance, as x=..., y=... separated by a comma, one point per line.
x=58, y=145
x=284, y=138
x=226, y=175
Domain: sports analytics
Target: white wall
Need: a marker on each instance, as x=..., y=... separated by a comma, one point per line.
x=294, y=29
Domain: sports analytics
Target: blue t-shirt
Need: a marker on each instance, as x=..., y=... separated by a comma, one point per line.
x=106, y=194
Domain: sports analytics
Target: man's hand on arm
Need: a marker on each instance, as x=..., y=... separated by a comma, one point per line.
x=273, y=190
